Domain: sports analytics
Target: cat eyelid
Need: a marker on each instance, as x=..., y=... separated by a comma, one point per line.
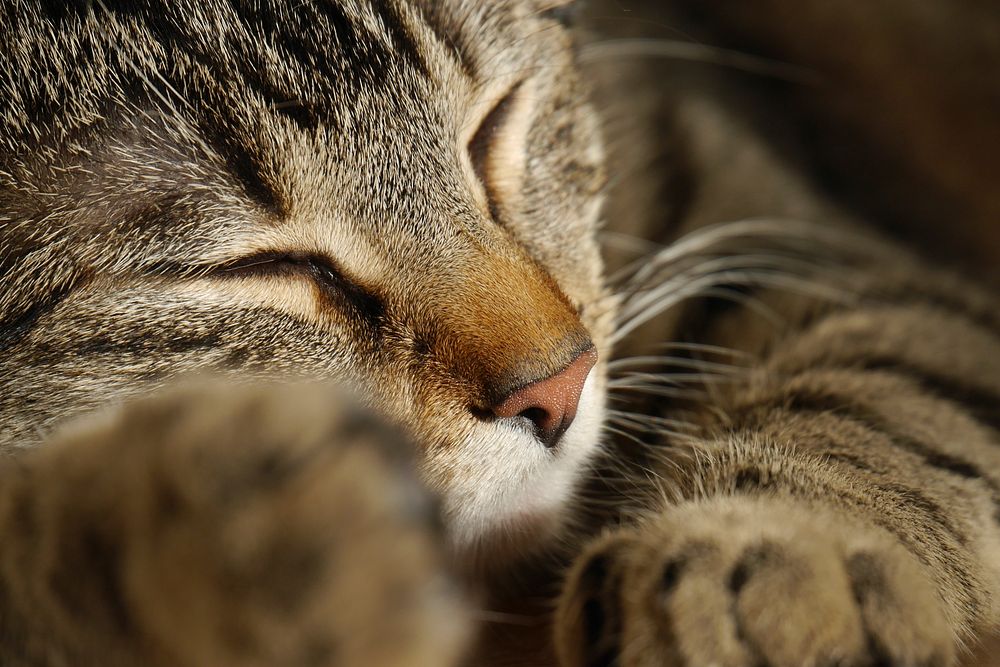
x=495, y=150
x=335, y=285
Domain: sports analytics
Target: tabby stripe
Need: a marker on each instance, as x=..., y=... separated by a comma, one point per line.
x=818, y=488
x=845, y=410
x=927, y=295
x=13, y=329
x=447, y=38
x=142, y=344
x=918, y=503
x=248, y=168
x=345, y=32
x=855, y=462
x=280, y=100
x=402, y=38
x=980, y=402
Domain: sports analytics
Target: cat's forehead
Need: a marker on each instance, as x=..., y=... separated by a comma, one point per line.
x=368, y=92
x=230, y=72
x=323, y=54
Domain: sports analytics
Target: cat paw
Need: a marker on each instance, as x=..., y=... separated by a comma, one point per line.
x=218, y=525
x=747, y=583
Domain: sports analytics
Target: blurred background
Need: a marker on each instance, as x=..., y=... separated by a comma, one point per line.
x=889, y=108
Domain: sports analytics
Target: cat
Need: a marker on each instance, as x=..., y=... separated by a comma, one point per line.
x=403, y=198
x=261, y=191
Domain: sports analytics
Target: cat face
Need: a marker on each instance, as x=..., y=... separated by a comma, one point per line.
x=401, y=196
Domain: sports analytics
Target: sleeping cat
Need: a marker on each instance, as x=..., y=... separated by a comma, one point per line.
x=402, y=198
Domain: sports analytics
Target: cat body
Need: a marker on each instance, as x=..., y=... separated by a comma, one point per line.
x=402, y=199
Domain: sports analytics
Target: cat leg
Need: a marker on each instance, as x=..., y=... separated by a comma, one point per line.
x=223, y=526
x=740, y=582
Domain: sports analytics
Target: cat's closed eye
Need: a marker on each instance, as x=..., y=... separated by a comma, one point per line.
x=496, y=150
x=333, y=285
x=485, y=140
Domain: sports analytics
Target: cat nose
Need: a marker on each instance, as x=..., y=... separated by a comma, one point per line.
x=551, y=403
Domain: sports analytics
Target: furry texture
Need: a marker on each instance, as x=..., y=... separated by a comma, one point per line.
x=820, y=441
x=261, y=191
x=402, y=197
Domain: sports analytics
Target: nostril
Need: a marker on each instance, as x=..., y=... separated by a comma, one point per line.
x=550, y=422
x=538, y=416
x=549, y=426
x=551, y=403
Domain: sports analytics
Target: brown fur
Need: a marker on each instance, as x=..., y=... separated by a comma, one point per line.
x=224, y=527
x=401, y=197
x=835, y=500
x=209, y=198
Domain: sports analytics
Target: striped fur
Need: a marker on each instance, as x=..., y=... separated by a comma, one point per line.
x=402, y=197
x=819, y=462
x=837, y=502
x=259, y=190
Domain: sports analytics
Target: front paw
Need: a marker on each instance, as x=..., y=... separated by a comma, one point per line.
x=742, y=582
x=220, y=525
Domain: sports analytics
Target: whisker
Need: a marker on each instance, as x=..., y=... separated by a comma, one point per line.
x=666, y=392
x=624, y=434
x=700, y=53
x=682, y=362
x=733, y=261
x=704, y=348
x=781, y=233
x=673, y=292
x=633, y=378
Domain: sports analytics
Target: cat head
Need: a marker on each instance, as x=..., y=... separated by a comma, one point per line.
x=398, y=194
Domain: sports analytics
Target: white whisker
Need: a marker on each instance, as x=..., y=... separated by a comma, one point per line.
x=700, y=53
x=675, y=291
x=665, y=360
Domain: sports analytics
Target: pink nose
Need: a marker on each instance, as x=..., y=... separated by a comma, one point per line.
x=551, y=403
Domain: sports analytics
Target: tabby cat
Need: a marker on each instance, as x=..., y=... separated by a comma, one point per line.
x=402, y=197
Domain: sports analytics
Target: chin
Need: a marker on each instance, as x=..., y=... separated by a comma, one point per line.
x=515, y=508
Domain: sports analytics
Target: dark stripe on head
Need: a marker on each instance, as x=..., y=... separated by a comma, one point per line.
x=142, y=343
x=61, y=10
x=345, y=33
x=299, y=112
x=435, y=20
x=15, y=327
x=249, y=169
x=403, y=39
